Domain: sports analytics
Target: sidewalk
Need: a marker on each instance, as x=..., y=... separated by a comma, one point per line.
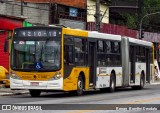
x=156, y=82
x=7, y=91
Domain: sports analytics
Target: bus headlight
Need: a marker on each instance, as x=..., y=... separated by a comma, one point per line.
x=57, y=76
x=14, y=76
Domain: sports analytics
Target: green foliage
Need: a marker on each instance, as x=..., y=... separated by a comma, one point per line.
x=150, y=23
x=130, y=20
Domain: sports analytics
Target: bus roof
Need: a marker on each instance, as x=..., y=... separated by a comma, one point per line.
x=75, y=32
x=140, y=42
x=95, y=34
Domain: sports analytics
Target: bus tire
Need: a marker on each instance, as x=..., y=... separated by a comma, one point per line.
x=80, y=86
x=112, y=83
x=141, y=86
x=141, y=82
x=35, y=93
x=103, y=90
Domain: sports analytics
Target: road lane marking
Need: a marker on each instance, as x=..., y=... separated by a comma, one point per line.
x=113, y=106
x=81, y=111
x=143, y=101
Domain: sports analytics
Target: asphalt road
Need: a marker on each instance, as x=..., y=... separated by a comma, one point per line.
x=92, y=101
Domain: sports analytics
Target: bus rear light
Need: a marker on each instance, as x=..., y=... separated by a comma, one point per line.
x=57, y=76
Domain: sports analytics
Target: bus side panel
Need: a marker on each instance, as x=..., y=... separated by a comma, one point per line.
x=103, y=76
x=70, y=83
x=139, y=68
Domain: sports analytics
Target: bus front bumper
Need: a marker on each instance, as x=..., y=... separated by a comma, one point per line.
x=32, y=84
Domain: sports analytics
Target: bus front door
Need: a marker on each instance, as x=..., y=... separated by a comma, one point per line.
x=92, y=63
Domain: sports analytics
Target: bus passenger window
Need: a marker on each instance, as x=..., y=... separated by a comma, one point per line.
x=116, y=47
x=68, y=54
x=108, y=46
x=79, y=51
x=100, y=47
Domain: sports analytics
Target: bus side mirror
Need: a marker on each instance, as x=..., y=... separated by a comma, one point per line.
x=6, y=45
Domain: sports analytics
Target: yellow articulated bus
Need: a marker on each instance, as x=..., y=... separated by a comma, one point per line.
x=53, y=58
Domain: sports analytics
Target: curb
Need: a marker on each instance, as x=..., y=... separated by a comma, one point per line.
x=2, y=85
x=9, y=93
x=155, y=83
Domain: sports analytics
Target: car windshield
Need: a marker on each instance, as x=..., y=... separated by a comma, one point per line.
x=36, y=55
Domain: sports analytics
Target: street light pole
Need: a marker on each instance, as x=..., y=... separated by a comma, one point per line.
x=140, y=25
x=97, y=15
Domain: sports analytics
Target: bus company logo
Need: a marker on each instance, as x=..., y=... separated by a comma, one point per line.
x=35, y=76
x=6, y=107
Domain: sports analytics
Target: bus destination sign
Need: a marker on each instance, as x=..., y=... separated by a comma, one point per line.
x=37, y=33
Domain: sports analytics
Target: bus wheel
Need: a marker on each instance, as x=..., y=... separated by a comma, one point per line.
x=112, y=83
x=141, y=82
x=35, y=93
x=103, y=90
x=141, y=86
x=80, y=86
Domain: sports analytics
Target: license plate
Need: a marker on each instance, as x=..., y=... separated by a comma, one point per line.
x=34, y=83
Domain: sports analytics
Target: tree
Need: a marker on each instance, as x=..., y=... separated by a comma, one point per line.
x=150, y=23
x=130, y=20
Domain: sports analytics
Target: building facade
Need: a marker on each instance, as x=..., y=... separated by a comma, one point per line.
x=7, y=24
x=34, y=13
x=70, y=13
x=67, y=13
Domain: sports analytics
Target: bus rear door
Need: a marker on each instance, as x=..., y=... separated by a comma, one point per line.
x=92, y=63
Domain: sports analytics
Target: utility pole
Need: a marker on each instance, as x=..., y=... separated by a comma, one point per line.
x=21, y=7
x=97, y=15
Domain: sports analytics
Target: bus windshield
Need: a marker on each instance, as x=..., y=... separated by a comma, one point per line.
x=32, y=55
